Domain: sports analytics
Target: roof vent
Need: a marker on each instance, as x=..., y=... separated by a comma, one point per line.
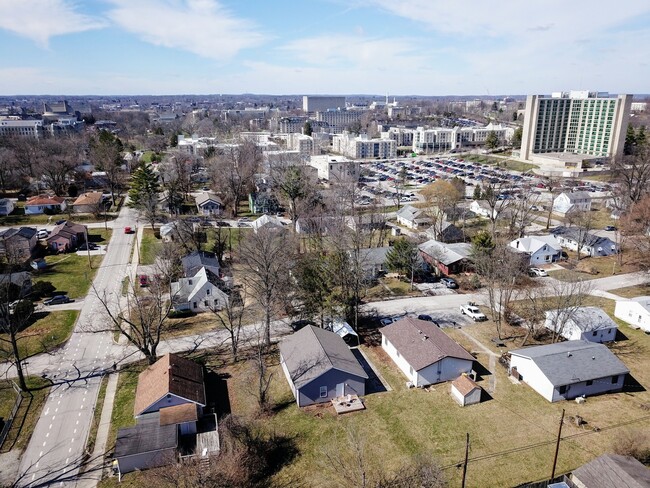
x=593, y=357
x=568, y=354
x=425, y=338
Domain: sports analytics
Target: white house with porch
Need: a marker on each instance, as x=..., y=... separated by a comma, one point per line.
x=199, y=293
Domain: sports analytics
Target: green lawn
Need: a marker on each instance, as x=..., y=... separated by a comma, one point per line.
x=150, y=247
x=48, y=331
x=16, y=219
x=28, y=413
x=70, y=273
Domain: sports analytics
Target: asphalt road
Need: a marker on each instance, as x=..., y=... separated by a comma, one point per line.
x=59, y=439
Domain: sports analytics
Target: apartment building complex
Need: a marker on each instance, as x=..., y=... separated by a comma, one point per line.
x=444, y=139
x=361, y=147
x=590, y=124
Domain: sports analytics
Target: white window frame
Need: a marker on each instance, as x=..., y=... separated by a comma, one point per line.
x=323, y=392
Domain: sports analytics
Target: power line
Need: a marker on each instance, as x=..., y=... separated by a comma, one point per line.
x=545, y=443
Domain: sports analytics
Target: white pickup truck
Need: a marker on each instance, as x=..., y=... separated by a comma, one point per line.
x=472, y=311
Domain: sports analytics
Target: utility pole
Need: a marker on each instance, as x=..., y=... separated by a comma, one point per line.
x=466, y=459
x=90, y=263
x=557, y=445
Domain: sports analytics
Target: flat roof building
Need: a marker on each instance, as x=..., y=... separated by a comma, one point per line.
x=322, y=103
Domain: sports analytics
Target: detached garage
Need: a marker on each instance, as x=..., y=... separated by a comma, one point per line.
x=320, y=367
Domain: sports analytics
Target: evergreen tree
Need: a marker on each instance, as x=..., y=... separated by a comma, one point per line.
x=143, y=194
x=630, y=141
x=403, y=256
x=492, y=140
x=640, y=136
x=477, y=192
x=307, y=129
x=516, y=137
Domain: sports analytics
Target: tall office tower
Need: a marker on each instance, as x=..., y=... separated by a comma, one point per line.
x=578, y=122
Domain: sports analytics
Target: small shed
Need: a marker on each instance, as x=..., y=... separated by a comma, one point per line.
x=465, y=391
x=344, y=331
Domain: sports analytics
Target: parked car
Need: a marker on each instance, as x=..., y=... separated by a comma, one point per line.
x=128, y=230
x=144, y=280
x=449, y=282
x=296, y=325
x=610, y=228
x=384, y=321
x=88, y=246
x=42, y=234
x=537, y=272
x=57, y=300
x=472, y=311
x=426, y=317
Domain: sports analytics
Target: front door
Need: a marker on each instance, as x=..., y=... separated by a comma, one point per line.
x=340, y=389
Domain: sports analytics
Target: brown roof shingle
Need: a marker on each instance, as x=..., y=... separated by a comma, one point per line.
x=422, y=343
x=187, y=412
x=89, y=198
x=464, y=385
x=171, y=374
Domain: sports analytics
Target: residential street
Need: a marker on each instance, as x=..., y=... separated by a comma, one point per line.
x=59, y=439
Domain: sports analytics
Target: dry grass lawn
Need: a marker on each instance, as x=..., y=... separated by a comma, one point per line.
x=512, y=435
x=632, y=291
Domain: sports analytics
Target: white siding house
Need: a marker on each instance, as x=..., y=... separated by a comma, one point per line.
x=541, y=249
x=198, y=293
x=424, y=353
x=635, y=312
x=481, y=208
x=585, y=323
x=570, y=369
x=412, y=217
x=566, y=202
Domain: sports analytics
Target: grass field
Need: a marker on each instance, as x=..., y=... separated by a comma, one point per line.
x=69, y=273
x=590, y=268
x=389, y=287
x=50, y=330
x=28, y=413
x=150, y=247
x=36, y=220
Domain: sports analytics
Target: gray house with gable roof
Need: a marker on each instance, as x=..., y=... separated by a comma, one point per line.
x=319, y=366
x=568, y=370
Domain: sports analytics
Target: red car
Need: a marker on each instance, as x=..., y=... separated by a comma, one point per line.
x=144, y=280
x=128, y=230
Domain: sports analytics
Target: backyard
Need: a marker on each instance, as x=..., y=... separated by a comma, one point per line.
x=512, y=434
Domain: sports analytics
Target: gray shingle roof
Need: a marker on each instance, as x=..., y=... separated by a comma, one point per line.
x=590, y=240
x=446, y=253
x=585, y=318
x=145, y=437
x=196, y=260
x=570, y=362
x=612, y=470
x=312, y=351
x=422, y=343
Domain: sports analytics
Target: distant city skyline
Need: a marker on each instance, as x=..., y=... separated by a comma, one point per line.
x=409, y=47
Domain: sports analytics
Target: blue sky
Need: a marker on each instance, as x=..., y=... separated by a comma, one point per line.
x=400, y=47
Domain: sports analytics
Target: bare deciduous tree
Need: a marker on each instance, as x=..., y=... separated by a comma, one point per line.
x=233, y=171
x=231, y=317
x=441, y=197
x=266, y=258
x=632, y=175
x=57, y=160
x=145, y=319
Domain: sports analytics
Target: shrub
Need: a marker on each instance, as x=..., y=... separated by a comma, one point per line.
x=180, y=314
x=42, y=288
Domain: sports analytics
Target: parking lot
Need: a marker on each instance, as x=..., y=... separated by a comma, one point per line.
x=380, y=179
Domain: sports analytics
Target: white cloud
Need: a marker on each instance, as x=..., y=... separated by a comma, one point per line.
x=39, y=20
x=201, y=27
